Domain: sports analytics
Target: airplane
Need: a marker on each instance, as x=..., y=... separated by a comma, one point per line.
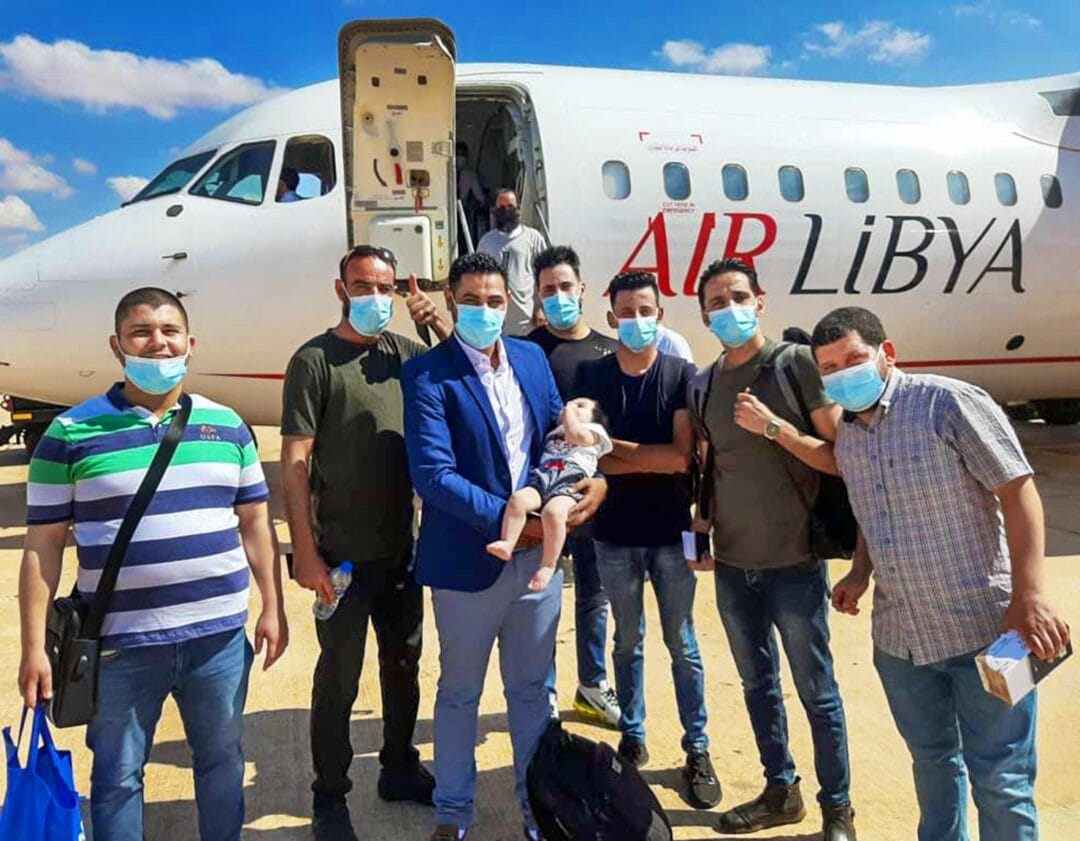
x=952, y=212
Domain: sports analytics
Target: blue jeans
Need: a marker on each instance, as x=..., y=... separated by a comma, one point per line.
x=468, y=624
x=956, y=729
x=622, y=569
x=754, y=605
x=590, y=613
x=208, y=677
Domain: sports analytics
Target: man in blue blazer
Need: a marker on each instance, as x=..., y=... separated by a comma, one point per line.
x=477, y=408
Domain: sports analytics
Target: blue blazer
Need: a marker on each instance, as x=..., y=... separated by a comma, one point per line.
x=457, y=458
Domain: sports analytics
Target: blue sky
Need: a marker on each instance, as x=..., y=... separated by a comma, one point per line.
x=94, y=96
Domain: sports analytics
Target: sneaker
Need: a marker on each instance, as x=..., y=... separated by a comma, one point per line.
x=413, y=783
x=599, y=703
x=778, y=805
x=633, y=751
x=838, y=823
x=331, y=822
x=702, y=786
x=448, y=832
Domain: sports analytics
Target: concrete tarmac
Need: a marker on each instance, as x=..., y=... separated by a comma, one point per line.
x=276, y=742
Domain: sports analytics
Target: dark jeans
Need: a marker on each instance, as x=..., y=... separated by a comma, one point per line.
x=794, y=601
x=394, y=603
x=590, y=610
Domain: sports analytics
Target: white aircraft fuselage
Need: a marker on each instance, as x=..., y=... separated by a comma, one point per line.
x=982, y=290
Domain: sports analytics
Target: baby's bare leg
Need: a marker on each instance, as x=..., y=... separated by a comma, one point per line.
x=553, y=519
x=517, y=511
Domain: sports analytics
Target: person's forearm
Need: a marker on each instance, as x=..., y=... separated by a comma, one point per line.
x=861, y=564
x=39, y=576
x=264, y=559
x=295, y=483
x=651, y=458
x=811, y=451
x=1022, y=511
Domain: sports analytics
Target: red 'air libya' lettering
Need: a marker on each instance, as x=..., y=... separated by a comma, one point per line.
x=749, y=241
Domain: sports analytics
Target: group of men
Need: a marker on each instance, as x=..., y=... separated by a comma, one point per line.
x=951, y=530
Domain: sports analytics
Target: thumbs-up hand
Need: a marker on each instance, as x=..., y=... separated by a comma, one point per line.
x=421, y=307
x=750, y=413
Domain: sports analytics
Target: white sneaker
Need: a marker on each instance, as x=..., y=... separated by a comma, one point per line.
x=599, y=703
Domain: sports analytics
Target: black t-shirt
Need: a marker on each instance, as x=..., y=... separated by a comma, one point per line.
x=642, y=509
x=566, y=355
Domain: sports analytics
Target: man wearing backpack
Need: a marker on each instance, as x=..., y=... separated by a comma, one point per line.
x=763, y=464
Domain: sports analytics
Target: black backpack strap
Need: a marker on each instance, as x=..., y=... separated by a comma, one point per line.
x=147, y=488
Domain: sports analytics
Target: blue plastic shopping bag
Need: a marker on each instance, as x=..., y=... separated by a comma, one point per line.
x=41, y=803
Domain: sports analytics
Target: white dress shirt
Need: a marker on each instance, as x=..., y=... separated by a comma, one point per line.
x=508, y=404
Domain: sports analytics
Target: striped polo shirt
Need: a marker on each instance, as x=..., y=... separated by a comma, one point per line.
x=185, y=574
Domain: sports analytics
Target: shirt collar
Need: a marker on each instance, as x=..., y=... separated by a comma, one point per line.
x=480, y=361
x=116, y=396
x=896, y=378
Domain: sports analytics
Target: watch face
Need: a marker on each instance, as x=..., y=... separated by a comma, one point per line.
x=772, y=429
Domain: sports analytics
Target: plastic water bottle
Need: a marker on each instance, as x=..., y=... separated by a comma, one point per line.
x=340, y=578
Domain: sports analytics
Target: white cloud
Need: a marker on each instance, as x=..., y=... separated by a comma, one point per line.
x=17, y=215
x=733, y=59
x=84, y=167
x=126, y=186
x=995, y=13
x=70, y=71
x=880, y=41
x=21, y=173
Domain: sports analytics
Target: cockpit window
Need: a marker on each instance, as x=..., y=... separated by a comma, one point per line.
x=174, y=177
x=240, y=175
x=307, y=170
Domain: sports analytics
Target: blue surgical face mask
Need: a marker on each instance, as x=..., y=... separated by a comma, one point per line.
x=734, y=325
x=479, y=326
x=638, y=333
x=369, y=314
x=856, y=388
x=155, y=376
x=563, y=311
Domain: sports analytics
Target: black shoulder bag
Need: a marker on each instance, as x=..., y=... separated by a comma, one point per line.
x=73, y=632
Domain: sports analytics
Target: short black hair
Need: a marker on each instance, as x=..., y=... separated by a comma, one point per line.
x=839, y=323
x=150, y=296
x=291, y=177
x=501, y=191
x=719, y=267
x=556, y=255
x=629, y=281
x=475, y=263
x=360, y=252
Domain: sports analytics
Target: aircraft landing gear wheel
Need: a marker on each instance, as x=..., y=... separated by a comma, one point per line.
x=1059, y=412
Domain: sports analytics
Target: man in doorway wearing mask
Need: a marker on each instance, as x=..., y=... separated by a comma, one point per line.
x=639, y=530
x=953, y=534
x=479, y=409
x=176, y=620
x=568, y=341
x=515, y=247
x=348, y=498
x=763, y=462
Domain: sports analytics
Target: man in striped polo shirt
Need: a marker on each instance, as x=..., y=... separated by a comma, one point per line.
x=176, y=620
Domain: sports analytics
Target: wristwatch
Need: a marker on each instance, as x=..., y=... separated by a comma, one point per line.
x=772, y=429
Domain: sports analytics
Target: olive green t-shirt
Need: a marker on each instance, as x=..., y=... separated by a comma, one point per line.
x=348, y=397
x=759, y=519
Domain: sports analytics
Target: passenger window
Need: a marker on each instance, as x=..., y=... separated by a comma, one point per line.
x=907, y=184
x=1006, y=188
x=959, y=189
x=736, y=185
x=240, y=175
x=791, y=183
x=676, y=181
x=616, y=177
x=1051, y=190
x=857, y=185
x=307, y=170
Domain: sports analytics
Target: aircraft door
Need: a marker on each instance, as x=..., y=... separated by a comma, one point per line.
x=397, y=109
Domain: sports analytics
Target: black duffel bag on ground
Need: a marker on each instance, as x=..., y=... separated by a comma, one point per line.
x=581, y=790
x=73, y=632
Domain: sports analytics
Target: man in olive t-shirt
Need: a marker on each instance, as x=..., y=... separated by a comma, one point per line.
x=348, y=498
x=765, y=459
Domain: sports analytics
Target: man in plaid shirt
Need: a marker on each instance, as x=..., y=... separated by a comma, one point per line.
x=952, y=531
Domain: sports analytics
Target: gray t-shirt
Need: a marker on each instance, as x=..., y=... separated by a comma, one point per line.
x=516, y=251
x=759, y=519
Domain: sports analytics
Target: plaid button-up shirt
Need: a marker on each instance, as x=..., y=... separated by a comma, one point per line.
x=921, y=479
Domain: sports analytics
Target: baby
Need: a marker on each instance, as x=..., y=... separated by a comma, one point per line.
x=571, y=452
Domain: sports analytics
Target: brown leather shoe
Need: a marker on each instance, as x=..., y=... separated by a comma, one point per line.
x=838, y=823
x=776, y=806
x=446, y=832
